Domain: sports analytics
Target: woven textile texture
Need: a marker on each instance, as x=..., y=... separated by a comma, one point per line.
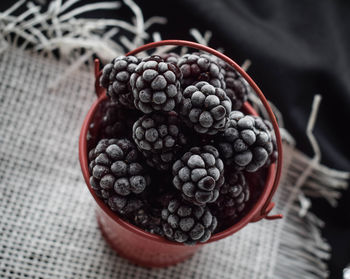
x=47, y=225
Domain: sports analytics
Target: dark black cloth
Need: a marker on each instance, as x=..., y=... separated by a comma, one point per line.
x=298, y=49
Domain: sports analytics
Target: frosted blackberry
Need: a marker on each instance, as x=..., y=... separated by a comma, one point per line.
x=112, y=122
x=171, y=57
x=234, y=195
x=246, y=143
x=149, y=220
x=114, y=168
x=125, y=205
x=187, y=223
x=116, y=121
x=159, y=138
x=199, y=175
x=115, y=78
x=157, y=196
x=236, y=86
x=274, y=154
x=205, y=108
x=200, y=67
x=156, y=85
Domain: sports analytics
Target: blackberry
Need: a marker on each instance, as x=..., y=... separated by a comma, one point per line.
x=111, y=120
x=159, y=161
x=234, y=195
x=274, y=154
x=236, y=86
x=156, y=85
x=116, y=121
x=115, y=78
x=187, y=223
x=112, y=123
x=149, y=220
x=171, y=57
x=199, y=175
x=155, y=198
x=125, y=205
x=159, y=138
x=205, y=108
x=114, y=168
x=246, y=143
x=197, y=67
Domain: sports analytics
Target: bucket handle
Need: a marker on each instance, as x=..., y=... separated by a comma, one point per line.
x=268, y=206
x=99, y=90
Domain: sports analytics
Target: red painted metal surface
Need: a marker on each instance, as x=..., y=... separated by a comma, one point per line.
x=150, y=250
x=140, y=248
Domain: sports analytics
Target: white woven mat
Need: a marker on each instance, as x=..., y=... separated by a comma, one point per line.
x=47, y=224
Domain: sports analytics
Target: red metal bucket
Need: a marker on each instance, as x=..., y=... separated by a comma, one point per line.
x=151, y=250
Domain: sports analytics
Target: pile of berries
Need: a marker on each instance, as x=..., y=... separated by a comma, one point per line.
x=172, y=150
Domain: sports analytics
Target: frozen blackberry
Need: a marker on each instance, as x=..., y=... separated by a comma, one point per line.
x=246, y=143
x=116, y=79
x=199, y=175
x=116, y=121
x=236, y=86
x=187, y=223
x=205, y=108
x=200, y=67
x=149, y=220
x=125, y=205
x=156, y=197
x=111, y=120
x=156, y=85
x=171, y=57
x=114, y=168
x=159, y=138
x=112, y=123
x=234, y=195
x=274, y=154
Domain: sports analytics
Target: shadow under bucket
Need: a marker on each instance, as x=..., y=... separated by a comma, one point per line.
x=151, y=250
